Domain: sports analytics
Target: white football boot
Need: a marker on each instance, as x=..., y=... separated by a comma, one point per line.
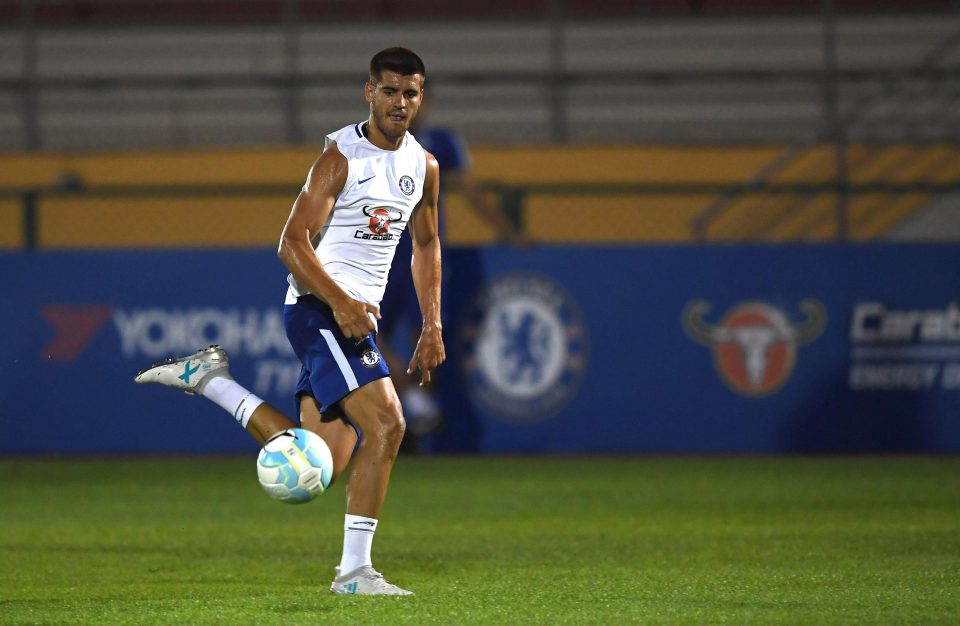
x=189, y=373
x=365, y=581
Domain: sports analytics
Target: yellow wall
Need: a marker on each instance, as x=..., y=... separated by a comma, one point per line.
x=91, y=220
x=76, y=222
x=153, y=217
x=542, y=164
x=631, y=164
x=462, y=226
x=11, y=224
x=612, y=219
x=246, y=167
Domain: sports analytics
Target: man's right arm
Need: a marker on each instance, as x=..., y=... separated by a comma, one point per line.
x=308, y=215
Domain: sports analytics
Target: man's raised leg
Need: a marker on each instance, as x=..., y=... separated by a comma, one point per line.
x=206, y=373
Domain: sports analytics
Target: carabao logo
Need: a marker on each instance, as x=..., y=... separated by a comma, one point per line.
x=755, y=344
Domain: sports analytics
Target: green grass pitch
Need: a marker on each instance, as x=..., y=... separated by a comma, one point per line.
x=490, y=540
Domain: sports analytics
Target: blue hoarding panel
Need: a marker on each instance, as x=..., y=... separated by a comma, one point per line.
x=740, y=375
x=660, y=349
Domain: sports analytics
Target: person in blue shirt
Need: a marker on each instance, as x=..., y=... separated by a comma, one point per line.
x=399, y=304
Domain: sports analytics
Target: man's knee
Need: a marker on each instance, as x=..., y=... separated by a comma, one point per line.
x=382, y=420
x=376, y=410
x=387, y=422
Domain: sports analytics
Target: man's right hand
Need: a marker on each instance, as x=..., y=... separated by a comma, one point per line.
x=356, y=319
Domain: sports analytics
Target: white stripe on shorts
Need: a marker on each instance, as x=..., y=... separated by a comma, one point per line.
x=340, y=358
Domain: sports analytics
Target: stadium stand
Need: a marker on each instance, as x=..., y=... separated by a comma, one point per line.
x=676, y=121
x=666, y=80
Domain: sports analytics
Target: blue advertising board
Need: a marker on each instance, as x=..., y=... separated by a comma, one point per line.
x=559, y=349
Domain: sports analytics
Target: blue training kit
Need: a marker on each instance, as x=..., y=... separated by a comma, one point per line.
x=333, y=365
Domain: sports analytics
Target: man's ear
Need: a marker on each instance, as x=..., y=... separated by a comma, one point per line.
x=368, y=89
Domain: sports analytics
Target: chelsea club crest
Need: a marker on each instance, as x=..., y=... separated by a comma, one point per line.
x=407, y=186
x=370, y=358
x=524, y=343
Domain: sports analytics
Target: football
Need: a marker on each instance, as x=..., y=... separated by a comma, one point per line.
x=295, y=466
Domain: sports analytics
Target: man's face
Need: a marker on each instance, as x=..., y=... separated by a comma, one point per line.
x=394, y=102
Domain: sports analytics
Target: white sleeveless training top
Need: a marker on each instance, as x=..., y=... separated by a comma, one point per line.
x=358, y=240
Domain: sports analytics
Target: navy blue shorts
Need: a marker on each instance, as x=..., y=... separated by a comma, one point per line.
x=333, y=365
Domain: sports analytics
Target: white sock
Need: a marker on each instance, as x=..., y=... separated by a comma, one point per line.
x=357, y=540
x=233, y=398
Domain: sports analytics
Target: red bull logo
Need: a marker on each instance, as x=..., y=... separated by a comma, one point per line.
x=379, y=221
x=380, y=218
x=755, y=344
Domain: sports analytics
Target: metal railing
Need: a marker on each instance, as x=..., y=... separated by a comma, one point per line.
x=838, y=127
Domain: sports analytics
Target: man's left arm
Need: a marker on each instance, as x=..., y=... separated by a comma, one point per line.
x=425, y=266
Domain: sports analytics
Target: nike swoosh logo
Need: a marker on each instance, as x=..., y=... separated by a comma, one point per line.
x=363, y=180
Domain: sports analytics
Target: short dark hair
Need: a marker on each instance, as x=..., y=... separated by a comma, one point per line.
x=400, y=60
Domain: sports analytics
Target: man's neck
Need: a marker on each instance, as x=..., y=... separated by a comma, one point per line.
x=377, y=138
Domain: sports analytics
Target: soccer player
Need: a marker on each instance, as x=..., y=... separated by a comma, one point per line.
x=371, y=181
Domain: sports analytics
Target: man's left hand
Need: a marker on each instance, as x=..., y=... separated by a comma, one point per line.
x=428, y=354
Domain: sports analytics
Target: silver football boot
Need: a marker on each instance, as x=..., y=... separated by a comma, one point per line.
x=365, y=581
x=189, y=373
